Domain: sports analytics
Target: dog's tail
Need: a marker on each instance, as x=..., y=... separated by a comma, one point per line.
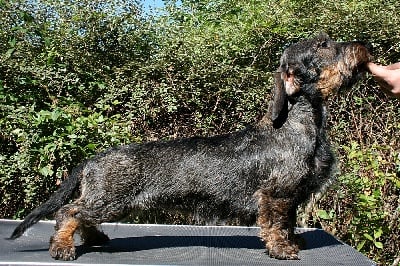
x=58, y=199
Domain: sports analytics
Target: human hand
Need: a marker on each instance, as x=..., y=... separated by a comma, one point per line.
x=388, y=77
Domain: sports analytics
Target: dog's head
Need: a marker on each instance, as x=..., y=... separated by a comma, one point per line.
x=316, y=68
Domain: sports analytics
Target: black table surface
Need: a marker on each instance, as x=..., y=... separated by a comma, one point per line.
x=173, y=245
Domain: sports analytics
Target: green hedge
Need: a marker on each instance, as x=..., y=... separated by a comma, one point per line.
x=76, y=78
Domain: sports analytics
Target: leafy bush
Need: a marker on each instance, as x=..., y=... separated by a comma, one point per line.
x=78, y=77
x=366, y=202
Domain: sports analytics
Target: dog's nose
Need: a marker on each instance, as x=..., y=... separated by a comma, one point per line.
x=367, y=45
x=367, y=48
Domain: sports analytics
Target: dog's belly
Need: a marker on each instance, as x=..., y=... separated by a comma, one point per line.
x=203, y=208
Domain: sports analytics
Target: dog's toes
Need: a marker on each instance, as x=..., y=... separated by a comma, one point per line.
x=283, y=255
x=284, y=252
x=62, y=252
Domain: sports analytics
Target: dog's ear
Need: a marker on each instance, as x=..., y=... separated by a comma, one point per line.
x=280, y=102
x=286, y=85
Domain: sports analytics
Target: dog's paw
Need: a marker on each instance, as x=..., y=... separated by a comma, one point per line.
x=96, y=239
x=62, y=252
x=300, y=241
x=283, y=251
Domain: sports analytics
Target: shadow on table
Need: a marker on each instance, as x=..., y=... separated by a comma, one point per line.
x=313, y=239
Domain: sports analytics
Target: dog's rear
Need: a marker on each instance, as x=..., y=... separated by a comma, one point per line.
x=265, y=171
x=58, y=199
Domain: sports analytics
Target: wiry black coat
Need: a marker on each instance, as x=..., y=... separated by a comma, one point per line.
x=264, y=171
x=212, y=177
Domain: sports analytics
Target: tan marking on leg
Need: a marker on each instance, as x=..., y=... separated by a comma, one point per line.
x=62, y=242
x=276, y=230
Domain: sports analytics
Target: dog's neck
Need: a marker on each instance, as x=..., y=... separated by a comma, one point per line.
x=312, y=107
x=305, y=107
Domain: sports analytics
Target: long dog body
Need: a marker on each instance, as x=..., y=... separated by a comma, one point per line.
x=258, y=174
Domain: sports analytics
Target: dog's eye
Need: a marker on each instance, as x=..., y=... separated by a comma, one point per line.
x=323, y=44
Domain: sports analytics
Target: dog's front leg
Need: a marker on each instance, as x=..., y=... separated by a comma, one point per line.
x=276, y=217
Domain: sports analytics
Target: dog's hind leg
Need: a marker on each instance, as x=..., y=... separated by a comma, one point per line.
x=69, y=219
x=62, y=242
x=277, y=220
x=92, y=236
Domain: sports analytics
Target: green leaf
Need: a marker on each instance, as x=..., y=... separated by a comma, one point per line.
x=12, y=42
x=368, y=236
x=55, y=115
x=323, y=215
x=9, y=53
x=361, y=245
x=378, y=233
x=46, y=171
x=378, y=245
x=91, y=146
x=72, y=136
x=101, y=85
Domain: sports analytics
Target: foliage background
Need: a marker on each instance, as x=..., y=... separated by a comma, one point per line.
x=77, y=77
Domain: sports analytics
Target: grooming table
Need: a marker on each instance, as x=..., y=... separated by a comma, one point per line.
x=173, y=245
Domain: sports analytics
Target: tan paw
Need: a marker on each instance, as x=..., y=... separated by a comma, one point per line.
x=62, y=252
x=283, y=251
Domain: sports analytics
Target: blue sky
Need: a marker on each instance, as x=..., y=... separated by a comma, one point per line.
x=148, y=4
